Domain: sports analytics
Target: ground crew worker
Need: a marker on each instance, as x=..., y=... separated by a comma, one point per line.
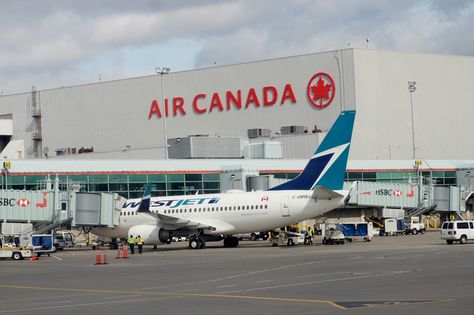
x=140, y=244
x=131, y=244
x=309, y=236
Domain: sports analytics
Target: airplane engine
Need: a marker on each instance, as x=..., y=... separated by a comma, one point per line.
x=151, y=234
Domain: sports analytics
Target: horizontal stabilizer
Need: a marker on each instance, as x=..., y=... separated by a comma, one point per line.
x=322, y=193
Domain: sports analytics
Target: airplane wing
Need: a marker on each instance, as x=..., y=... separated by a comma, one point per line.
x=174, y=223
x=322, y=193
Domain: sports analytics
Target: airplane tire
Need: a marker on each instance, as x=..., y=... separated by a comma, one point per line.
x=194, y=243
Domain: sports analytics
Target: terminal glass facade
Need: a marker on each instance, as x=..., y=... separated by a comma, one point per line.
x=128, y=185
x=133, y=185
x=440, y=178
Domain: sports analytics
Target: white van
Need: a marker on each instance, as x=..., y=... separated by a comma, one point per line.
x=459, y=231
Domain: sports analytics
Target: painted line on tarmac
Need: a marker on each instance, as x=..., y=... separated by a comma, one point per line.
x=317, y=282
x=175, y=294
x=250, y=273
x=71, y=305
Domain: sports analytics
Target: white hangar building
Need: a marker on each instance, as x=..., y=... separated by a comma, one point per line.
x=282, y=104
x=111, y=136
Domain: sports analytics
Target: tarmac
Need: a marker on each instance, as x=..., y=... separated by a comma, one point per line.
x=390, y=275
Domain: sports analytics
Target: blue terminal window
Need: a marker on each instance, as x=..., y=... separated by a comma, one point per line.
x=98, y=178
x=211, y=177
x=118, y=178
x=175, y=177
x=139, y=178
x=156, y=178
x=193, y=177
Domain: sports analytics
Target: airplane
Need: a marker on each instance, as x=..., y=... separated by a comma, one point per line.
x=215, y=217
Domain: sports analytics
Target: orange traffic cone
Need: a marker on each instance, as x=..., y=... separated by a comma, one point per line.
x=34, y=258
x=97, y=258
x=105, y=258
x=125, y=252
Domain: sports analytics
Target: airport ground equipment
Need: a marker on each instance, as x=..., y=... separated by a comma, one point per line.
x=333, y=236
x=287, y=238
x=457, y=231
x=356, y=230
x=63, y=239
x=43, y=244
x=413, y=225
x=10, y=249
x=392, y=226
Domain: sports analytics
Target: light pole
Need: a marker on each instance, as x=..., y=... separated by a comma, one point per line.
x=412, y=89
x=162, y=71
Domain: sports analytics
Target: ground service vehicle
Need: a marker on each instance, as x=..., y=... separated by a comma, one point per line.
x=414, y=226
x=457, y=231
x=392, y=226
x=254, y=236
x=333, y=236
x=9, y=249
x=287, y=238
x=63, y=239
x=43, y=244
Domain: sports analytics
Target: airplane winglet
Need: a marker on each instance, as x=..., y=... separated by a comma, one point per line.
x=145, y=203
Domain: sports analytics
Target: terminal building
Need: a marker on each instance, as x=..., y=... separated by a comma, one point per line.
x=252, y=125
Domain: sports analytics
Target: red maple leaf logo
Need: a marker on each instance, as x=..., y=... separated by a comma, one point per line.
x=321, y=90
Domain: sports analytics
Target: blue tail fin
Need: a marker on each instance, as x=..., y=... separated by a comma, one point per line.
x=145, y=203
x=327, y=167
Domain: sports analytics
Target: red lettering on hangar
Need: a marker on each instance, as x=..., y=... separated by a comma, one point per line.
x=207, y=103
x=320, y=93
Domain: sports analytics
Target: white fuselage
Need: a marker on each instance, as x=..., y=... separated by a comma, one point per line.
x=224, y=214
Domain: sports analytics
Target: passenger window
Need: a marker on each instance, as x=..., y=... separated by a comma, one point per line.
x=247, y=207
x=450, y=225
x=238, y=208
x=471, y=225
x=266, y=206
x=261, y=206
x=251, y=207
x=463, y=225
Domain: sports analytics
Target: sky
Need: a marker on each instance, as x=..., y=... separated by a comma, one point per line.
x=54, y=43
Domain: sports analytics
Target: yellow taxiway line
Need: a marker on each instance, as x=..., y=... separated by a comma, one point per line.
x=205, y=295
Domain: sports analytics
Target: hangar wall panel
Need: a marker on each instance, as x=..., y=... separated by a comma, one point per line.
x=442, y=104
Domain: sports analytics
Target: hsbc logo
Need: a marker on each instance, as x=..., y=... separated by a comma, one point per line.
x=320, y=92
x=23, y=202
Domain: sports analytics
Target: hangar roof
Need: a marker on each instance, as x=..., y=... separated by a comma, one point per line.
x=214, y=165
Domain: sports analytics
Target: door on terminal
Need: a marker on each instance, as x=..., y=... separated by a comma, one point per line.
x=285, y=206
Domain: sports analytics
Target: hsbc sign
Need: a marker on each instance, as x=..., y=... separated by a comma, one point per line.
x=320, y=92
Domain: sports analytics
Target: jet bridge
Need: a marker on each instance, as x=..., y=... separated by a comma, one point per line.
x=59, y=203
x=384, y=195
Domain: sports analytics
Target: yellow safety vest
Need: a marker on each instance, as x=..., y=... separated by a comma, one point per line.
x=131, y=240
x=139, y=241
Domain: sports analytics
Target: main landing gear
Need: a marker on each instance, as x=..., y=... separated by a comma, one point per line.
x=231, y=241
x=196, y=241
